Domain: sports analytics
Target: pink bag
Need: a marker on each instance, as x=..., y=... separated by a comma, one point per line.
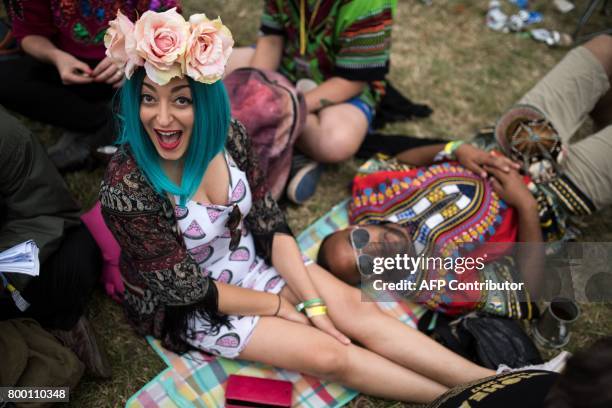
x=273, y=113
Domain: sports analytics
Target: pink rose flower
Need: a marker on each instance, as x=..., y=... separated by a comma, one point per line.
x=161, y=39
x=120, y=44
x=208, y=49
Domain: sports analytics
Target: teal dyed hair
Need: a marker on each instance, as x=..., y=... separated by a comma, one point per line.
x=211, y=111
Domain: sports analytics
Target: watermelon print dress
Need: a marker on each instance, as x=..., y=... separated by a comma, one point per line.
x=207, y=239
x=164, y=284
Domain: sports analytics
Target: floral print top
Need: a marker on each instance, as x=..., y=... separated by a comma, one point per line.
x=76, y=26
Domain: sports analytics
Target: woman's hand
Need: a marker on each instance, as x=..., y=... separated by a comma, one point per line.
x=511, y=188
x=287, y=311
x=108, y=72
x=72, y=71
x=474, y=159
x=324, y=323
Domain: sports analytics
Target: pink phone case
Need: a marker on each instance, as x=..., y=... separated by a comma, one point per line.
x=243, y=391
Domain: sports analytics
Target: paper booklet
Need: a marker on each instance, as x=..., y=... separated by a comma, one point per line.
x=22, y=258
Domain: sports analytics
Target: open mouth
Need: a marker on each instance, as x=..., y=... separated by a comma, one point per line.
x=169, y=139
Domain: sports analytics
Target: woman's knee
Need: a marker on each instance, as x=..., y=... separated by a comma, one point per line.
x=353, y=302
x=330, y=362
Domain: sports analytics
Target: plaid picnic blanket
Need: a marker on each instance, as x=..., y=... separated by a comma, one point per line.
x=197, y=380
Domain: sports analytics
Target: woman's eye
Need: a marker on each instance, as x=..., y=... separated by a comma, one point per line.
x=146, y=98
x=183, y=100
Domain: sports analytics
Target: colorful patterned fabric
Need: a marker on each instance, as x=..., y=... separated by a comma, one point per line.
x=559, y=199
x=201, y=383
x=76, y=26
x=449, y=212
x=197, y=379
x=443, y=206
x=347, y=38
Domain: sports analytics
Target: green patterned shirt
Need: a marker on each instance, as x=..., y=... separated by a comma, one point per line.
x=350, y=39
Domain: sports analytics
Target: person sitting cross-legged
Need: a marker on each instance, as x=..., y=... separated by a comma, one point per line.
x=337, y=53
x=35, y=204
x=63, y=77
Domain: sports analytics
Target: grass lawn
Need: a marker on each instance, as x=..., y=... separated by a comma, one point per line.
x=443, y=55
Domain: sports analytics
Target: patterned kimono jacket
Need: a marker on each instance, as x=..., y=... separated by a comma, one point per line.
x=164, y=284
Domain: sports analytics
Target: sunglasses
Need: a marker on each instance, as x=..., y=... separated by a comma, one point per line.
x=360, y=237
x=233, y=222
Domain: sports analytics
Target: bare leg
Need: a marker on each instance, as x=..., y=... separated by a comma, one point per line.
x=390, y=338
x=240, y=58
x=601, y=47
x=335, y=134
x=303, y=348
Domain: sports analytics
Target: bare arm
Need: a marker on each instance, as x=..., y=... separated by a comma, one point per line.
x=41, y=48
x=70, y=68
x=530, y=257
x=512, y=189
x=471, y=157
x=529, y=222
x=239, y=301
x=287, y=260
x=420, y=156
x=268, y=52
x=334, y=90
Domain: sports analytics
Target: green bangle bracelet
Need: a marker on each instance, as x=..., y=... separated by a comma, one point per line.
x=451, y=147
x=312, y=302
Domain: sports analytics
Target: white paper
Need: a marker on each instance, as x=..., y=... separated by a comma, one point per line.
x=22, y=258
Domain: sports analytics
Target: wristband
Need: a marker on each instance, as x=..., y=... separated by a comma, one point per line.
x=451, y=147
x=312, y=302
x=316, y=311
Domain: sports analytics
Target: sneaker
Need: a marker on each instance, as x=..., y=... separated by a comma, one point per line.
x=105, y=153
x=81, y=339
x=71, y=152
x=555, y=365
x=304, y=179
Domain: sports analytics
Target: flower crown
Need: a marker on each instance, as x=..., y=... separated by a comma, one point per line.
x=168, y=46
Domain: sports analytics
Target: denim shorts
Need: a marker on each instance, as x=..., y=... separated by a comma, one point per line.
x=363, y=107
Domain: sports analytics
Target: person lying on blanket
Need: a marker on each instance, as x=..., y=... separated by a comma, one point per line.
x=521, y=183
x=207, y=257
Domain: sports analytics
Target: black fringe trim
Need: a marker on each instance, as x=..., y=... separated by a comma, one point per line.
x=176, y=328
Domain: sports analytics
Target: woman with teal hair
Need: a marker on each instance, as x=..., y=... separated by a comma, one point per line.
x=212, y=113
x=208, y=260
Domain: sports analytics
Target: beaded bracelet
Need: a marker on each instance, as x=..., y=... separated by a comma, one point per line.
x=312, y=302
x=316, y=311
